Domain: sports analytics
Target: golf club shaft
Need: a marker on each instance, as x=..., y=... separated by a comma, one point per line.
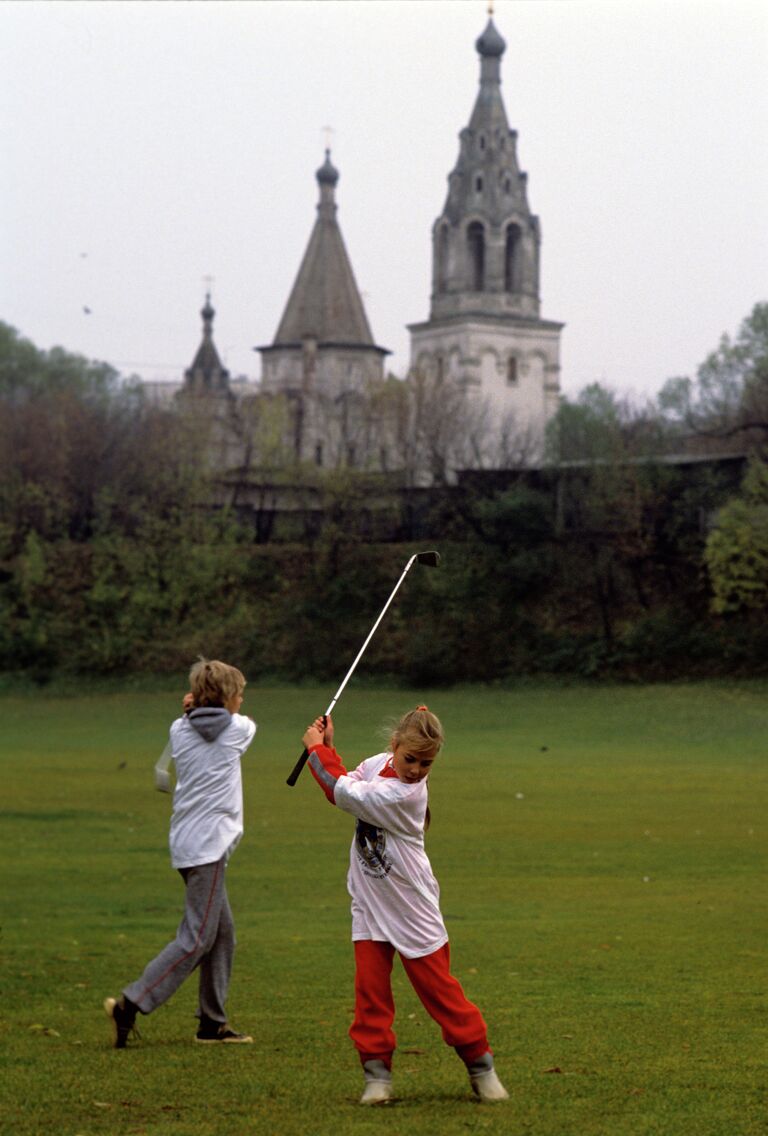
x=294, y=775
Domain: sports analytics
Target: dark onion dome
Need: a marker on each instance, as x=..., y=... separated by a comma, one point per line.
x=327, y=174
x=208, y=312
x=490, y=43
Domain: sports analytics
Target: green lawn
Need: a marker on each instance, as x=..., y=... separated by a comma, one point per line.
x=602, y=859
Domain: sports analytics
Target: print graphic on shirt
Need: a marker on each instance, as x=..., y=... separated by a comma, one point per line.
x=371, y=844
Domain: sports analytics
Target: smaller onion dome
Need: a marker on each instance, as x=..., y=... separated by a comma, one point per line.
x=327, y=174
x=490, y=43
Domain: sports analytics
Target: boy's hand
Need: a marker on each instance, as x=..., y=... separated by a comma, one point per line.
x=188, y=702
x=318, y=734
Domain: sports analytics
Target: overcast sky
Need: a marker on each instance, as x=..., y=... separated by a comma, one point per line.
x=148, y=144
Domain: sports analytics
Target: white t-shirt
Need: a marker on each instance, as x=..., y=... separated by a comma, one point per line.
x=395, y=896
x=207, y=819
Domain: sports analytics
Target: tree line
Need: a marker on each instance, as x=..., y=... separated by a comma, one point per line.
x=638, y=549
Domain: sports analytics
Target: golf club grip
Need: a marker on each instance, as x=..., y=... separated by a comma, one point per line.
x=303, y=759
x=294, y=774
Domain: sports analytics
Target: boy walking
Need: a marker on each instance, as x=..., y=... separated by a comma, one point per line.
x=206, y=826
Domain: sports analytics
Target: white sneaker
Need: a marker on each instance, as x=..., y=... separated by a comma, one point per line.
x=378, y=1082
x=376, y=1092
x=488, y=1086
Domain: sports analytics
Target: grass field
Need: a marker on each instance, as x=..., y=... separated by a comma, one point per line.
x=602, y=859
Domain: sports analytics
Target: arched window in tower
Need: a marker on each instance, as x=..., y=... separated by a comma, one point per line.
x=476, y=251
x=442, y=259
x=512, y=259
x=479, y=184
x=482, y=141
x=512, y=371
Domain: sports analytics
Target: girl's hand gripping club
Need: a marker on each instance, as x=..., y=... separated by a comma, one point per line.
x=431, y=559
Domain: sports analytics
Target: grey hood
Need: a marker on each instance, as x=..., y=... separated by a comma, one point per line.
x=209, y=721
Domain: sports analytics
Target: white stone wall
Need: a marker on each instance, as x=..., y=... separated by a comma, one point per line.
x=520, y=396
x=328, y=371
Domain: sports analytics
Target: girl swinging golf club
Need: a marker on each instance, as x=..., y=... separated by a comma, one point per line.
x=395, y=901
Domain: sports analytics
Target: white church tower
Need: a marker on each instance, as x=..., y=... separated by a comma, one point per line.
x=484, y=330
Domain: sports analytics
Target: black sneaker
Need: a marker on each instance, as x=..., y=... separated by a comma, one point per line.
x=123, y=1018
x=210, y=1031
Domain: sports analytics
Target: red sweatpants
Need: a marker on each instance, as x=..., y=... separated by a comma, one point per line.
x=440, y=993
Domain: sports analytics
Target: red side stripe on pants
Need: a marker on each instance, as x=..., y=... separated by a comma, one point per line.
x=198, y=937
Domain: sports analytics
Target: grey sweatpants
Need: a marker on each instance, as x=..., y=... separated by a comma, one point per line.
x=205, y=938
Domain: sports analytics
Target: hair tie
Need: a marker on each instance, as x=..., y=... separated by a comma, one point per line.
x=422, y=708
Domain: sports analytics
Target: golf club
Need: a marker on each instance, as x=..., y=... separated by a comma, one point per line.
x=162, y=776
x=431, y=559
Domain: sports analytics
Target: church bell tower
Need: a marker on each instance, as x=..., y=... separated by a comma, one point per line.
x=485, y=330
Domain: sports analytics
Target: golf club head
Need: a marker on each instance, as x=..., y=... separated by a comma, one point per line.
x=431, y=559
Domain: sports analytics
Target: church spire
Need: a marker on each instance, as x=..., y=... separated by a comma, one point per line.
x=206, y=375
x=323, y=350
x=325, y=303
x=486, y=241
x=489, y=108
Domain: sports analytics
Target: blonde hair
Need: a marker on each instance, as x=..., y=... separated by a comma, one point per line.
x=420, y=732
x=213, y=683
